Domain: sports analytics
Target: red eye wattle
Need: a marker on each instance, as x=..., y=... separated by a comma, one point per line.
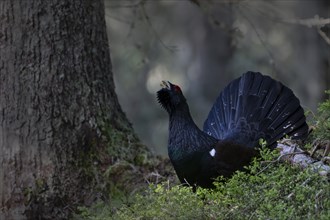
x=177, y=88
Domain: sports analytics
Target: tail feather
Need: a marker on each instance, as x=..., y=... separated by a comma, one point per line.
x=253, y=107
x=294, y=127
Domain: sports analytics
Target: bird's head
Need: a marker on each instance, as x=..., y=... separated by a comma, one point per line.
x=170, y=96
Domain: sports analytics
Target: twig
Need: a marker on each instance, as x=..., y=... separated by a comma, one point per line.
x=277, y=160
x=117, y=19
x=314, y=22
x=316, y=147
x=153, y=174
x=146, y=17
x=323, y=35
x=327, y=149
x=317, y=144
x=309, y=22
x=133, y=5
x=270, y=54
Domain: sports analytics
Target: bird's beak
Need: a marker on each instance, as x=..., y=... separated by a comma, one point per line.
x=165, y=84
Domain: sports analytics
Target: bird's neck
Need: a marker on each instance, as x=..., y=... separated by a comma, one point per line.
x=185, y=136
x=181, y=122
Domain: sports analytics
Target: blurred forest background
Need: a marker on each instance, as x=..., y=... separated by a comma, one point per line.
x=202, y=45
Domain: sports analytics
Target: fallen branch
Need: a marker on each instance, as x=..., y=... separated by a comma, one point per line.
x=313, y=22
x=310, y=22
x=291, y=153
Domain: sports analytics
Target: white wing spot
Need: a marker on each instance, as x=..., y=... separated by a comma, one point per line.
x=212, y=152
x=286, y=126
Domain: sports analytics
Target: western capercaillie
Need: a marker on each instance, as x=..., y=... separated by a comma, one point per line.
x=250, y=108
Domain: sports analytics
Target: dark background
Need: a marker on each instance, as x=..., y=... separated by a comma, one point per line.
x=203, y=45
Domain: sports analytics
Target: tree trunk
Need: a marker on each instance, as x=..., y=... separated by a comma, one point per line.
x=56, y=94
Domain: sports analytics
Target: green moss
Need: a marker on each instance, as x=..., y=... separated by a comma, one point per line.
x=127, y=158
x=124, y=145
x=32, y=194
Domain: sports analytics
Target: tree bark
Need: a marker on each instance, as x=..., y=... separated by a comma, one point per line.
x=56, y=94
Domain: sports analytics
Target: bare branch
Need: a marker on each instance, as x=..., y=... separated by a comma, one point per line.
x=310, y=22
x=264, y=44
x=324, y=36
x=117, y=18
x=313, y=22
x=146, y=17
x=131, y=5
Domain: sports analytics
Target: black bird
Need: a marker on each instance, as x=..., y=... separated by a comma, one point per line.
x=251, y=107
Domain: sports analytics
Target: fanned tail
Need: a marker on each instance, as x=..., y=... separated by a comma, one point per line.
x=255, y=106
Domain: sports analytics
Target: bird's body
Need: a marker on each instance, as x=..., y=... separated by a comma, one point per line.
x=251, y=107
